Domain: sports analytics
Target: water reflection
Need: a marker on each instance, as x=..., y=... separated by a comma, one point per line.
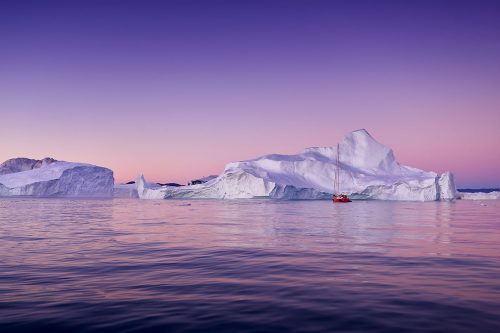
x=396, y=229
x=258, y=259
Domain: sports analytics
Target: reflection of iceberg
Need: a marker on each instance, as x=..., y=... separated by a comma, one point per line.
x=369, y=171
x=48, y=177
x=414, y=229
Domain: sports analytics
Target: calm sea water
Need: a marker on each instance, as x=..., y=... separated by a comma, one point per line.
x=248, y=266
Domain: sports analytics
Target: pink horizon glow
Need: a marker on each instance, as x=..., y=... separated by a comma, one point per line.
x=176, y=93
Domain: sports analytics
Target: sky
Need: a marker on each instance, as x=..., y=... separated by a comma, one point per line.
x=177, y=89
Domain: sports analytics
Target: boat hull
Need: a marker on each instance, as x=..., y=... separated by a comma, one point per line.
x=335, y=199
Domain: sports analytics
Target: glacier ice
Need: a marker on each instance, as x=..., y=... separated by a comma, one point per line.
x=23, y=164
x=495, y=195
x=51, y=178
x=369, y=170
x=125, y=191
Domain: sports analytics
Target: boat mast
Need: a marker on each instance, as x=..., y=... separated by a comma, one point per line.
x=337, y=172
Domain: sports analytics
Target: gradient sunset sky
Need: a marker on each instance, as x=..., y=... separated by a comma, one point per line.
x=176, y=89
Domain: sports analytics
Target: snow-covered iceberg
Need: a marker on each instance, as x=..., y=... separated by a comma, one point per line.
x=51, y=178
x=369, y=170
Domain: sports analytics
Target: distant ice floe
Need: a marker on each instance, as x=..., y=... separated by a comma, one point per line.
x=495, y=195
x=369, y=170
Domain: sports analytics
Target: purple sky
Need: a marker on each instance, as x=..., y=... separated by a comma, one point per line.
x=177, y=89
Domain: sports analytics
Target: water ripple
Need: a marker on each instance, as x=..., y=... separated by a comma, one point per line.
x=248, y=266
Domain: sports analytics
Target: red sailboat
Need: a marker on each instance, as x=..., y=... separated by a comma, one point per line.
x=337, y=195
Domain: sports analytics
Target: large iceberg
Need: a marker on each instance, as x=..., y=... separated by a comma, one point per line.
x=368, y=170
x=51, y=178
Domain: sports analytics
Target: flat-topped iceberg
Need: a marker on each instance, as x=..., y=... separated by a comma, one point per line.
x=51, y=178
x=368, y=170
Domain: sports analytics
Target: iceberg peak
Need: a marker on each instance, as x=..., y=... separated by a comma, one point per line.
x=360, y=150
x=363, y=131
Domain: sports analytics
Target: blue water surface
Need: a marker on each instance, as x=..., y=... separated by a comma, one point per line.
x=128, y=265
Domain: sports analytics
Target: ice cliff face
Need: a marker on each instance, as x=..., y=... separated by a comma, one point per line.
x=125, y=191
x=51, y=178
x=369, y=170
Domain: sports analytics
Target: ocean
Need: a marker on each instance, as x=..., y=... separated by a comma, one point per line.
x=128, y=265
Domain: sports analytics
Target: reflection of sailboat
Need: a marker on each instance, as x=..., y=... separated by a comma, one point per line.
x=338, y=196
